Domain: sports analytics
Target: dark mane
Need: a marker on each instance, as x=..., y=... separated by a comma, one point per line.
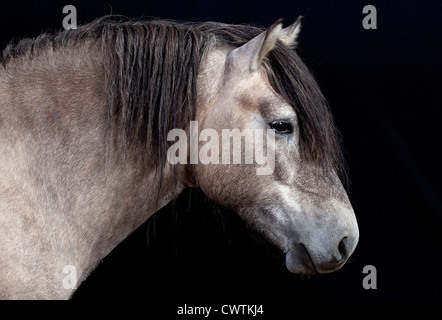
x=320, y=141
x=151, y=71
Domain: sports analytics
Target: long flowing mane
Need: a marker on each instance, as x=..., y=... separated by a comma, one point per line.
x=151, y=70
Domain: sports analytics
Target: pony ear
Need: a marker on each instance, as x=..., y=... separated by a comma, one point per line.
x=252, y=53
x=290, y=34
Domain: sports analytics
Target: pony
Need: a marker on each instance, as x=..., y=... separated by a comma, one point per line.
x=85, y=123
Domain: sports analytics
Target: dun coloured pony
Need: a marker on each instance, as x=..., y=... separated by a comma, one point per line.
x=84, y=121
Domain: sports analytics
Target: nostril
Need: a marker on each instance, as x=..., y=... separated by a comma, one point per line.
x=342, y=248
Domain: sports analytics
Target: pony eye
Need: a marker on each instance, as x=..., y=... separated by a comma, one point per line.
x=281, y=126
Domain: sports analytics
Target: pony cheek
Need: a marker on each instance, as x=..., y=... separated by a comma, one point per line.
x=227, y=185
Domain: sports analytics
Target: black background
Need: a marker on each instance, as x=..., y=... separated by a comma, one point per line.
x=383, y=87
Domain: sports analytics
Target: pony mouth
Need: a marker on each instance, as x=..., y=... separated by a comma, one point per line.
x=302, y=257
x=299, y=261
x=309, y=259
